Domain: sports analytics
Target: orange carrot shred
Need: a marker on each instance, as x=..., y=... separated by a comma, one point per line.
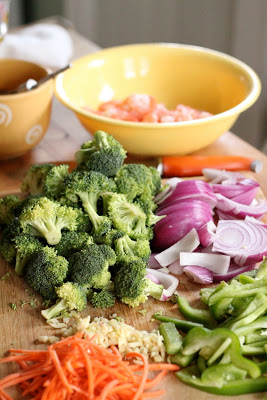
x=76, y=368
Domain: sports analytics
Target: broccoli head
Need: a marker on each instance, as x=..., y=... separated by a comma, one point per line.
x=71, y=296
x=25, y=246
x=103, y=154
x=54, y=180
x=156, y=180
x=128, y=217
x=87, y=188
x=33, y=181
x=46, y=218
x=127, y=249
x=84, y=223
x=134, y=180
x=8, y=207
x=110, y=237
x=131, y=285
x=45, y=271
x=90, y=267
x=7, y=245
x=103, y=299
x=71, y=242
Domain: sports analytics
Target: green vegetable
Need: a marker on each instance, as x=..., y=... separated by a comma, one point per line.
x=132, y=287
x=7, y=245
x=103, y=299
x=72, y=298
x=8, y=207
x=46, y=218
x=90, y=267
x=25, y=246
x=103, y=154
x=172, y=338
x=87, y=188
x=180, y=324
x=128, y=249
x=194, y=314
x=256, y=308
x=71, y=242
x=181, y=360
x=45, y=271
x=33, y=181
x=191, y=375
x=54, y=180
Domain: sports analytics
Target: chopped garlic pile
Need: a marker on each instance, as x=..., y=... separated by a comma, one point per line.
x=116, y=332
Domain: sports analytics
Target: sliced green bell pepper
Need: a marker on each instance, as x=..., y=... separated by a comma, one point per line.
x=181, y=360
x=180, y=324
x=172, y=338
x=190, y=375
x=196, y=315
x=199, y=338
x=220, y=374
x=256, y=308
x=259, y=323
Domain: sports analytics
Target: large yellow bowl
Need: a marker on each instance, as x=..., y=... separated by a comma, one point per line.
x=202, y=78
x=24, y=117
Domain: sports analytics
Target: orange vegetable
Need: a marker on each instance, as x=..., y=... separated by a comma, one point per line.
x=76, y=368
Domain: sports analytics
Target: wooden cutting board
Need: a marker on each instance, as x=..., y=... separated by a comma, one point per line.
x=19, y=329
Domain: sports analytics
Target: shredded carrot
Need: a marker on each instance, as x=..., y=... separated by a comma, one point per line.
x=75, y=368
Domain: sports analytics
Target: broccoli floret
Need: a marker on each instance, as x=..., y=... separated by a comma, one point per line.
x=103, y=299
x=84, y=223
x=45, y=271
x=128, y=217
x=87, y=188
x=46, y=218
x=127, y=249
x=103, y=154
x=7, y=245
x=134, y=180
x=54, y=180
x=33, y=181
x=72, y=298
x=156, y=180
x=71, y=242
x=131, y=285
x=110, y=237
x=146, y=203
x=25, y=246
x=8, y=207
x=90, y=267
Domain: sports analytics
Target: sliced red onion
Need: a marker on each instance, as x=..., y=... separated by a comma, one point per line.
x=188, y=243
x=240, y=210
x=214, y=262
x=233, y=271
x=153, y=263
x=180, y=205
x=175, y=226
x=192, y=189
x=237, y=190
x=176, y=268
x=245, y=241
x=160, y=197
x=153, y=279
x=199, y=274
x=218, y=176
x=173, y=181
x=247, y=197
x=169, y=282
x=206, y=234
x=223, y=215
x=254, y=220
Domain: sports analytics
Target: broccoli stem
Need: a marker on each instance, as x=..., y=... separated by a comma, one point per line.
x=20, y=263
x=102, y=141
x=125, y=245
x=54, y=310
x=89, y=199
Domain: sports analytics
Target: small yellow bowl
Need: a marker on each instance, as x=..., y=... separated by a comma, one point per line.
x=24, y=117
x=174, y=74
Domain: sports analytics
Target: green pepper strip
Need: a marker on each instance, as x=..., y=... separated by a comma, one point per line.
x=196, y=315
x=245, y=279
x=218, y=375
x=255, y=309
x=198, y=338
x=260, y=323
x=233, y=388
x=262, y=270
x=254, y=348
x=259, y=286
x=180, y=324
x=263, y=367
x=219, y=309
x=255, y=337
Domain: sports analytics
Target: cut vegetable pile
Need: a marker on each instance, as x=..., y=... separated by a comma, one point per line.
x=188, y=240
x=225, y=348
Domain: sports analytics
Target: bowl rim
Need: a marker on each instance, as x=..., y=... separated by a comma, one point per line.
x=249, y=100
x=26, y=93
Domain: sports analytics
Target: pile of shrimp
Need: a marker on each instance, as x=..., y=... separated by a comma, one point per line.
x=144, y=108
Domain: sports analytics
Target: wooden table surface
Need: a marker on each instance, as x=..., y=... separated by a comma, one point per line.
x=64, y=137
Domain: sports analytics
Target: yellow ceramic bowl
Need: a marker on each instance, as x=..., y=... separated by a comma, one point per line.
x=24, y=117
x=199, y=77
